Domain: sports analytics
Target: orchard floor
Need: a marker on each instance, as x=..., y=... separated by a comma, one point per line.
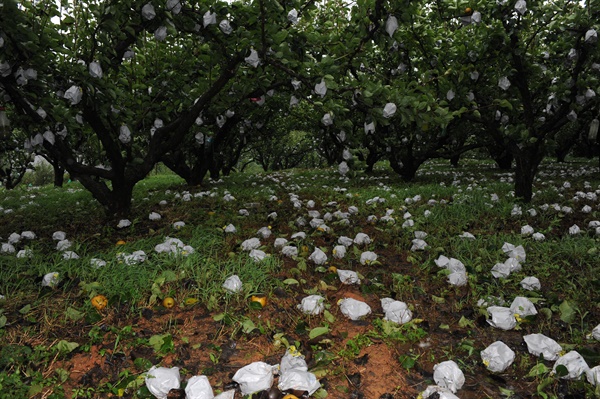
x=115, y=346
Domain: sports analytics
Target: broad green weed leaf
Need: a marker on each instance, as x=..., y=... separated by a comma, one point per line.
x=167, y=345
x=537, y=370
x=561, y=370
x=290, y=281
x=219, y=317
x=567, y=312
x=317, y=331
x=408, y=362
x=328, y=316
x=248, y=326
x=157, y=341
x=74, y=314
x=64, y=346
x=63, y=375
x=25, y=309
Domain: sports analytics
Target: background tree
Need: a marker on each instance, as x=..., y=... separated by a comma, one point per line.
x=130, y=82
x=533, y=68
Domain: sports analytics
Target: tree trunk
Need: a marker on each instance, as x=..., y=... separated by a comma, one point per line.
x=527, y=162
x=564, y=148
x=59, y=174
x=504, y=161
x=197, y=175
x=454, y=161
x=561, y=155
x=116, y=202
x=214, y=169
x=372, y=159
x=407, y=168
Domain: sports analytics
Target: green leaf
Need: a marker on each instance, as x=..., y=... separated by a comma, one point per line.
x=546, y=312
x=408, y=362
x=464, y=322
x=162, y=343
x=320, y=394
x=74, y=314
x=542, y=385
x=290, y=281
x=167, y=345
x=156, y=341
x=280, y=36
x=537, y=370
x=567, y=312
x=506, y=392
x=561, y=370
x=35, y=389
x=506, y=104
x=219, y=317
x=438, y=299
x=25, y=309
x=248, y=326
x=68, y=20
x=63, y=375
x=2, y=321
x=328, y=316
x=66, y=346
x=317, y=331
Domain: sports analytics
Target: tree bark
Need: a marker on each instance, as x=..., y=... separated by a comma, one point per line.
x=504, y=161
x=116, y=202
x=175, y=162
x=59, y=174
x=454, y=161
x=527, y=160
x=372, y=158
x=407, y=167
x=561, y=154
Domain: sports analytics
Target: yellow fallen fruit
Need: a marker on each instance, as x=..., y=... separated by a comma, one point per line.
x=190, y=301
x=262, y=299
x=168, y=302
x=120, y=242
x=290, y=396
x=99, y=302
x=332, y=269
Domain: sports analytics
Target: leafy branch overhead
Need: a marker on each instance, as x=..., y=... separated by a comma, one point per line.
x=106, y=91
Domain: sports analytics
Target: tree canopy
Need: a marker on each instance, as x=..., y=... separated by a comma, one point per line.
x=108, y=89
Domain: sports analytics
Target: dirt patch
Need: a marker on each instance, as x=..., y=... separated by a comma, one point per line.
x=378, y=375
